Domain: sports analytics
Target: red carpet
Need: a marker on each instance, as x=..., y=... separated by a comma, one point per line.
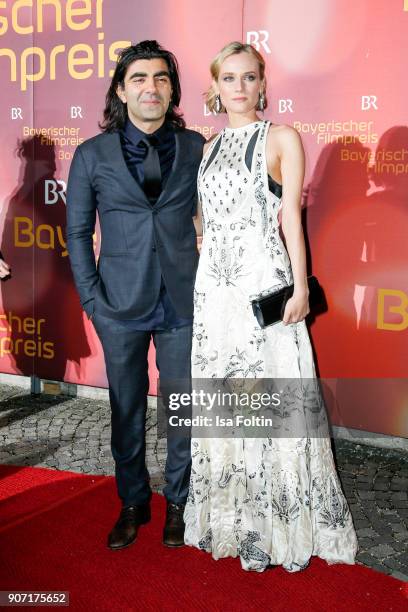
x=52, y=537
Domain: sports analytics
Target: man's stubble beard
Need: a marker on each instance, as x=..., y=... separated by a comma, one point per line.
x=155, y=117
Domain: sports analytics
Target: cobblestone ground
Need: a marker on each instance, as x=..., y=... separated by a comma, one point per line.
x=68, y=433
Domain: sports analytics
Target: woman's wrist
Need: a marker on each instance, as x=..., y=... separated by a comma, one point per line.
x=301, y=291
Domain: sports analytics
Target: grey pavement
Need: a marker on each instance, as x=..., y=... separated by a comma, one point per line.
x=72, y=433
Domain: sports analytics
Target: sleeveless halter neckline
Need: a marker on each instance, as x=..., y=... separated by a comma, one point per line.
x=247, y=125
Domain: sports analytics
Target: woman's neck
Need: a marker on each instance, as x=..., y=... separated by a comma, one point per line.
x=236, y=120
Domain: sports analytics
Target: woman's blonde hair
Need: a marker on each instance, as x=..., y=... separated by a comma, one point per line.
x=233, y=48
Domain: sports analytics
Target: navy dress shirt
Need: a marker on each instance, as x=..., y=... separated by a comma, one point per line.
x=163, y=316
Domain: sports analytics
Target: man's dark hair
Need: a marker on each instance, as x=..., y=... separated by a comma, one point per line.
x=115, y=113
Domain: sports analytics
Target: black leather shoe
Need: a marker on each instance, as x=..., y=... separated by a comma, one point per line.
x=125, y=530
x=173, y=532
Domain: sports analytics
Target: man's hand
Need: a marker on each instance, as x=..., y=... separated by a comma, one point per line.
x=5, y=269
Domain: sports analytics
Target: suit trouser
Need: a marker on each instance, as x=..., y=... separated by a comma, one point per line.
x=126, y=363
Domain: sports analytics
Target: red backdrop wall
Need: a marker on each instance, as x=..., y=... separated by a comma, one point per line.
x=335, y=72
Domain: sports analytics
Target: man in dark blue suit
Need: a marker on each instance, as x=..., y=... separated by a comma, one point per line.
x=140, y=176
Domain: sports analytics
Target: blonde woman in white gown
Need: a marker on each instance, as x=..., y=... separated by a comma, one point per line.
x=270, y=501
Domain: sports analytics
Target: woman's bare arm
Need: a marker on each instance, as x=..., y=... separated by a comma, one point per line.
x=292, y=165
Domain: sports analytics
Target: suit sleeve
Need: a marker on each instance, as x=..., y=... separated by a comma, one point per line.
x=81, y=217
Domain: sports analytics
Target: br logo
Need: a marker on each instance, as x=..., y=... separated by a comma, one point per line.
x=207, y=112
x=54, y=190
x=368, y=102
x=76, y=112
x=258, y=38
x=16, y=113
x=285, y=105
x=393, y=302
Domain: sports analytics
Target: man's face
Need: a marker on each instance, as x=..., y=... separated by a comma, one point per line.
x=147, y=91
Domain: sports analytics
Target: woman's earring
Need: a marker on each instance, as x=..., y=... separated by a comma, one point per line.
x=217, y=103
x=261, y=102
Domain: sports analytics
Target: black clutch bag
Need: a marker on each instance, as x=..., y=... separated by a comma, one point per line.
x=270, y=308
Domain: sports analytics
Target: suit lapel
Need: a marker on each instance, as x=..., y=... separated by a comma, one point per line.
x=175, y=170
x=123, y=172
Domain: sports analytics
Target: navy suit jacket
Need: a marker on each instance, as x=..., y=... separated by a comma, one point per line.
x=140, y=243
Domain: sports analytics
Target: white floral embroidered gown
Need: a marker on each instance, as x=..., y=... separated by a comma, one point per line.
x=270, y=501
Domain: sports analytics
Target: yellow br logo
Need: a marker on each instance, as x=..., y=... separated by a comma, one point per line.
x=392, y=302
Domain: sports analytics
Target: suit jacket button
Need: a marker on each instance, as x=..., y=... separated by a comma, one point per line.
x=154, y=249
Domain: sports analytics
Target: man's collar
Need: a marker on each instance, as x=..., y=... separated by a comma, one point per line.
x=135, y=135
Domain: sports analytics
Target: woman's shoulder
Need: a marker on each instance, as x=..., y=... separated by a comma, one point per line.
x=283, y=130
x=283, y=135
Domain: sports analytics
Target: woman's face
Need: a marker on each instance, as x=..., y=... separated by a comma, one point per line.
x=239, y=83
